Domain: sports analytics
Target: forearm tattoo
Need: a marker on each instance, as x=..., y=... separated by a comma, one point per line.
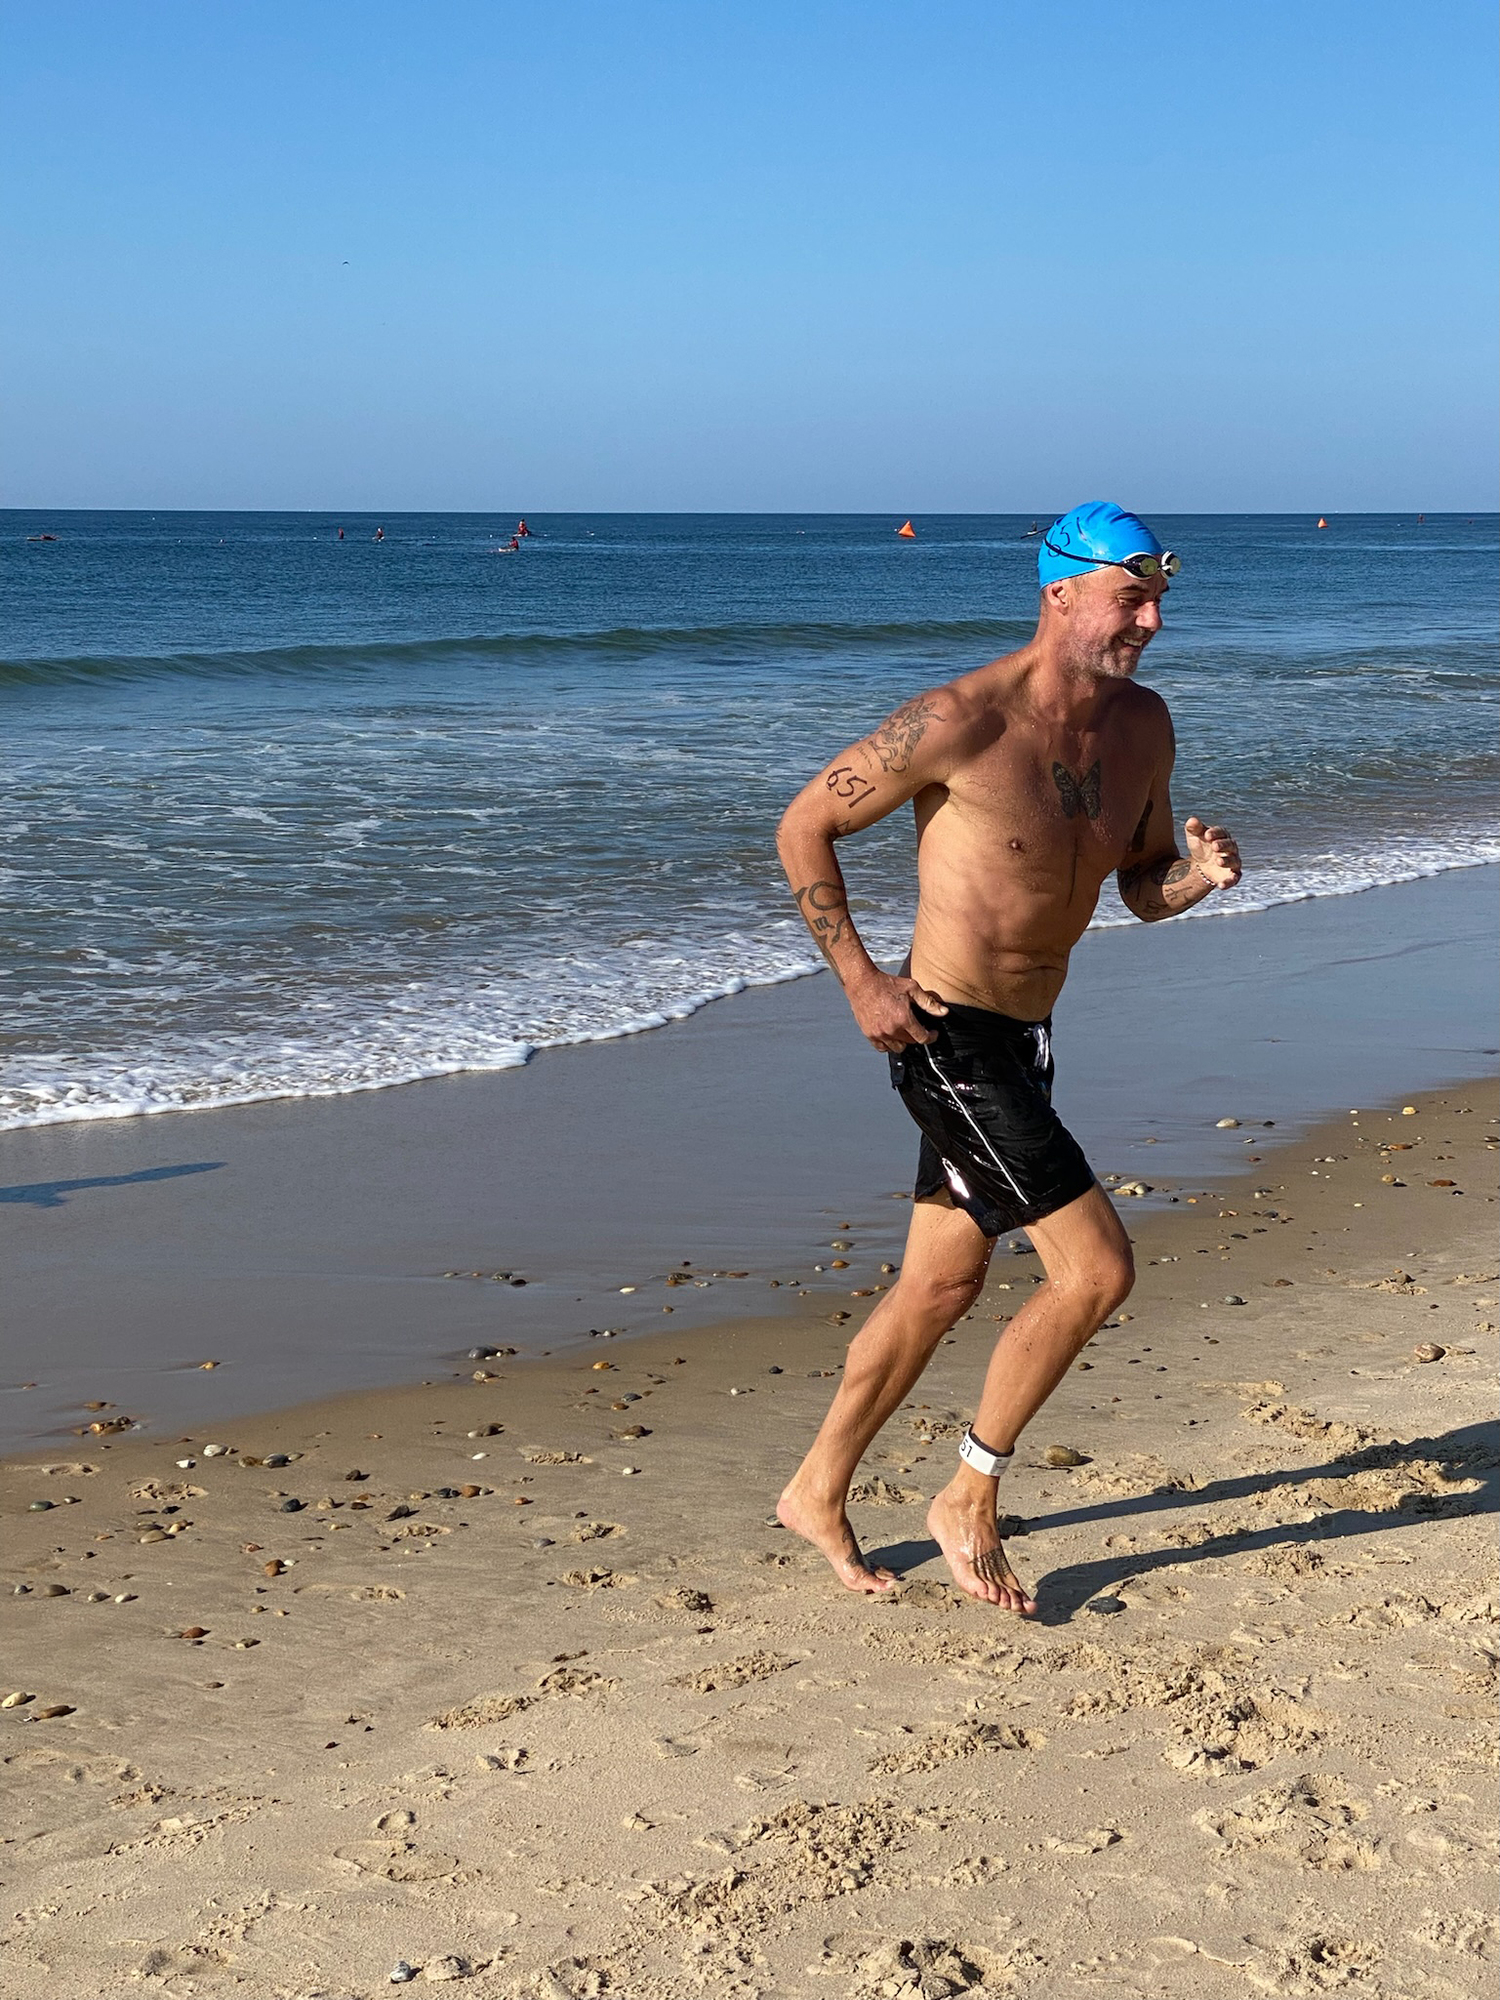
x=1145, y=885
x=825, y=910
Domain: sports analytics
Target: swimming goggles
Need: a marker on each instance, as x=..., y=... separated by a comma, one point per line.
x=1144, y=566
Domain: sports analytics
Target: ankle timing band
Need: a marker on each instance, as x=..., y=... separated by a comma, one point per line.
x=990, y=1463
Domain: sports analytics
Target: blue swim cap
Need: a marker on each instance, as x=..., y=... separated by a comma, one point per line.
x=1089, y=536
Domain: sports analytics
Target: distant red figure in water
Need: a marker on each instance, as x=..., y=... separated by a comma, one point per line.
x=380, y=534
x=522, y=529
x=341, y=534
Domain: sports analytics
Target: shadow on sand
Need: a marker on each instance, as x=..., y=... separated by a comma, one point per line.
x=1471, y=1453
x=53, y=1194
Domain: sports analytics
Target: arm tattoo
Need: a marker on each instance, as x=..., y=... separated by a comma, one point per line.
x=895, y=741
x=825, y=909
x=1138, y=838
x=1079, y=794
x=1158, y=875
x=849, y=785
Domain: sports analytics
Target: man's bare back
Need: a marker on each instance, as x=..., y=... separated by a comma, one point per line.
x=1031, y=780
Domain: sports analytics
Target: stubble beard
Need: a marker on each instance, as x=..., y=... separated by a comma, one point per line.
x=1107, y=662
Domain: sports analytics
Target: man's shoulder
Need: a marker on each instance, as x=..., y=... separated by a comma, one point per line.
x=952, y=707
x=1142, y=709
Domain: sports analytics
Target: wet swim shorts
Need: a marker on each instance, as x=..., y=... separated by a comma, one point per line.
x=981, y=1095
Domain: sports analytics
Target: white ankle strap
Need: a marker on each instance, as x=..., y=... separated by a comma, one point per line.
x=990, y=1463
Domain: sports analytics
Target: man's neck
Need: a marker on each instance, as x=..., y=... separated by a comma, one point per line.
x=1052, y=690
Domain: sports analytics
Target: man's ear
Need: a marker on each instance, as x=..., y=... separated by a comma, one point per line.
x=1060, y=594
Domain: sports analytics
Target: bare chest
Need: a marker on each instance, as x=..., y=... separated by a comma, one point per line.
x=1075, y=803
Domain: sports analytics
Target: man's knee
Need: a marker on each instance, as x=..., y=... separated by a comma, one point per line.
x=1103, y=1277
x=937, y=1299
x=1111, y=1276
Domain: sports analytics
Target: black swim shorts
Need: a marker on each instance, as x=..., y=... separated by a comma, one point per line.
x=981, y=1095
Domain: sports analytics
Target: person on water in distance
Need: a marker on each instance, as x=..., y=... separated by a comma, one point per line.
x=1031, y=780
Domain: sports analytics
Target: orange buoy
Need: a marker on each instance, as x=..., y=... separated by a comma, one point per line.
x=1321, y=522
x=907, y=531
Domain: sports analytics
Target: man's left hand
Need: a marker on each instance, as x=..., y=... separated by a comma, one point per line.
x=1213, y=852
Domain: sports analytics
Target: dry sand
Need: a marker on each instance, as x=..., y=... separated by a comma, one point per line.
x=577, y=1733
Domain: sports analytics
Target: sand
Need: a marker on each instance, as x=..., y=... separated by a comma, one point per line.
x=600, y=1728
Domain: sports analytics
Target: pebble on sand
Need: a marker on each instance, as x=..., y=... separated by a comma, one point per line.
x=216, y=1451
x=18, y=1699
x=1428, y=1351
x=1233, y=1299
x=1063, y=1454
x=53, y=1711
x=1227, y=1124
x=1408, y=1111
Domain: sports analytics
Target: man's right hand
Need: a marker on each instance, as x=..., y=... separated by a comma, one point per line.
x=883, y=1006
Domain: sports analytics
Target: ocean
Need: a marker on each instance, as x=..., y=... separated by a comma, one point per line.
x=286, y=815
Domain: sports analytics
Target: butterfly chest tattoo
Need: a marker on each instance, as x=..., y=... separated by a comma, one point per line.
x=1078, y=791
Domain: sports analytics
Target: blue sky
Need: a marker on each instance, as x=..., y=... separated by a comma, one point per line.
x=837, y=254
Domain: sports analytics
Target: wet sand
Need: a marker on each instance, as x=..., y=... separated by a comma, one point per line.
x=529, y=1694
x=301, y=1245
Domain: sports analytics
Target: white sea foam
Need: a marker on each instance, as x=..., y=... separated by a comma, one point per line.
x=443, y=1029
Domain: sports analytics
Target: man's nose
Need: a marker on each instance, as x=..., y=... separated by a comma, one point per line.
x=1148, y=618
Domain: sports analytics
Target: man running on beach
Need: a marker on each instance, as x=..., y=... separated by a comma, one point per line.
x=1032, y=779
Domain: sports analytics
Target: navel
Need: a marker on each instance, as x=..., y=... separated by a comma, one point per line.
x=1017, y=846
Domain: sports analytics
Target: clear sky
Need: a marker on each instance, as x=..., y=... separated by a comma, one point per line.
x=801, y=254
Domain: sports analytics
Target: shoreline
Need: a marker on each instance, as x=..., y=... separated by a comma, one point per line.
x=302, y=1245
x=526, y=1050
x=524, y=1722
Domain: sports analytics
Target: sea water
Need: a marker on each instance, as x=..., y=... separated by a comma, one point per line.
x=288, y=815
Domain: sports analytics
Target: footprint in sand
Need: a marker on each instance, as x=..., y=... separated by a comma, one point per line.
x=964, y=1739
x=396, y=1861
x=1312, y=1821
x=735, y=1673
x=595, y=1531
x=878, y=1492
x=670, y=1747
x=695, y=1602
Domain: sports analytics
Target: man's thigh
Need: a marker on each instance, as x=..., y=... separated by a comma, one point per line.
x=1085, y=1235
x=944, y=1245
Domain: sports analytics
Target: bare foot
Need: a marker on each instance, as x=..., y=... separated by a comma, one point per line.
x=963, y=1525
x=826, y=1526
